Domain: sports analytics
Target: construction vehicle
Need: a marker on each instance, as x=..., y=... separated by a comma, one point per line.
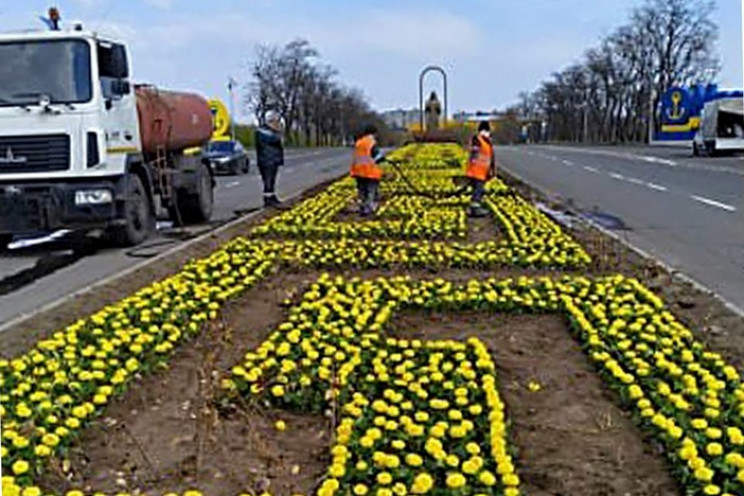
x=83, y=149
x=721, y=126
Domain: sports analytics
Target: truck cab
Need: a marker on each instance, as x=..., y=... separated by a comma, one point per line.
x=722, y=126
x=71, y=152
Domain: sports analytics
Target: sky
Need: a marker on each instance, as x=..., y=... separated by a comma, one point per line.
x=491, y=49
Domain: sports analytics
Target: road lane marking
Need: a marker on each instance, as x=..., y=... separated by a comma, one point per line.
x=232, y=184
x=657, y=160
x=634, y=180
x=657, y=187
x=591, y=169
x=567, y=162
x=617, y=176
x=713, y=203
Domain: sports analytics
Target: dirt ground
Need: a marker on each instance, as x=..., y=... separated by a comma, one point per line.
x=571, y=437
x=170, y=431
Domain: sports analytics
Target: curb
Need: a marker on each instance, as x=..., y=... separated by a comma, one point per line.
x=130, y=270
x=644, y=254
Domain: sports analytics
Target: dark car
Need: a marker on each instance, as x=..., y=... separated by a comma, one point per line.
x=228, y=157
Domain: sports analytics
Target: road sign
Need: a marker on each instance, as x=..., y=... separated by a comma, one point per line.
x=221, y=118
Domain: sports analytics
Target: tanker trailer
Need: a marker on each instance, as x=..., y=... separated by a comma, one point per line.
x=82, y=149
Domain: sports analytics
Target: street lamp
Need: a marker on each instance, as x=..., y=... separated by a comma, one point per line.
x=231, y=84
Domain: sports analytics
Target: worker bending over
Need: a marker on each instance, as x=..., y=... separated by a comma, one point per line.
x=366, y=171
x=481, y=168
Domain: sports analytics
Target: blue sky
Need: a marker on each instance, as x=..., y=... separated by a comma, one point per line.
x=492, y=49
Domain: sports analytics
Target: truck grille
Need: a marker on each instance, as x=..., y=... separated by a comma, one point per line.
x=49, y=152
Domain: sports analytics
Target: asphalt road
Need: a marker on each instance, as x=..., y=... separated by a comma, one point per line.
x=69, y=271
x=687, y=212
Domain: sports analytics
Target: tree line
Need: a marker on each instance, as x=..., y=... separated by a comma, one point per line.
x=609, y=95
x=316, y=109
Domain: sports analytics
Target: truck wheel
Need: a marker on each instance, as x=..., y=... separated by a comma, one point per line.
x=139, y=221
x=196, y=207
x=695, y=150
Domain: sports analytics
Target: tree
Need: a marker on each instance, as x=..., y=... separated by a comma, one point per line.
x=611, y=95
x=314, y=107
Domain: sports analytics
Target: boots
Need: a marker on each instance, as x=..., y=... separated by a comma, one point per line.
x=477, y=210
x=273, y=202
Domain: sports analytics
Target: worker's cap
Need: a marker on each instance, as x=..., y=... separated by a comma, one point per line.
x=272, y=116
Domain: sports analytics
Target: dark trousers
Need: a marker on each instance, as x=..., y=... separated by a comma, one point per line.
x=368, y=190
x=479, y=190
x=268, y=176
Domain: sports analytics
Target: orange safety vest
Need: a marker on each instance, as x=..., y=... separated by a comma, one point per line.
x=363, y=165
x=480, y=162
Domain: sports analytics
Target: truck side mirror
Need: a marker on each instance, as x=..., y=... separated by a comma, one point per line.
x=120, y=87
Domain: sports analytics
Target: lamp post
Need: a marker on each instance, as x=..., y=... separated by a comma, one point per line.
x=231, y=83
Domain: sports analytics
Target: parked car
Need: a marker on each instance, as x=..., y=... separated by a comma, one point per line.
x=228, y=157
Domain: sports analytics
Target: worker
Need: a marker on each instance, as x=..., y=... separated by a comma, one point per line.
x=270, y=156
x=366, y=171
x=481, y=168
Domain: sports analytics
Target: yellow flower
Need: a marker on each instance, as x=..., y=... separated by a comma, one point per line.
x=455, y=480
x=487, y=478
x=384, y=478
x=712, y=490
x=20, y=467
x=360, y=490
x=414, y=460
x=714, y=449
x=280, y=425
x=422, y=483
x=534, y=386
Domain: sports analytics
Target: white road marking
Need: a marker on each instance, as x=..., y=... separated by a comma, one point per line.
x=713, y=203
x=567, y=162
x=657, y=187
x=615, y=175
x=657, y=160
x=634, y=180
x=232, y=184
x=591, y=169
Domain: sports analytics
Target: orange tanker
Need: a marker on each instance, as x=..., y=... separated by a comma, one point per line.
x=172, y=120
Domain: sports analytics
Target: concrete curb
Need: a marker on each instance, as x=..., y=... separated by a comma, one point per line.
x=130, y=270
x=644, y=254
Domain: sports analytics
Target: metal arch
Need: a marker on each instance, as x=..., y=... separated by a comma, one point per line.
x=421, y=91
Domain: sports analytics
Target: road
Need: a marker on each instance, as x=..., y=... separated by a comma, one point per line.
x=687, y=212
x=21, y=292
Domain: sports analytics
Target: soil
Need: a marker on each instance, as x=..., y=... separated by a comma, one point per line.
x=172, y=431
x=571, y=437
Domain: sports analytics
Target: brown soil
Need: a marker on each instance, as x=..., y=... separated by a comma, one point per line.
x=482, y=229
x=571, y=437
x=173, y=431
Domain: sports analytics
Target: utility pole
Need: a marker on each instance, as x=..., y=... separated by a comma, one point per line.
x=652, y=113
x=231, y=83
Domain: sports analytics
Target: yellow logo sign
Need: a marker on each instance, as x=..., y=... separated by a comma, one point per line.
x=220, y=118
x=676, y=112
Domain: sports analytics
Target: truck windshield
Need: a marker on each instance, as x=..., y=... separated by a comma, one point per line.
x=32, y=70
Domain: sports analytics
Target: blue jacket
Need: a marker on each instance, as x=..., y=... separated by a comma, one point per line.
x=269, y=148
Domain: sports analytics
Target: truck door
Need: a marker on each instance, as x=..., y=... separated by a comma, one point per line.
x=119, y=101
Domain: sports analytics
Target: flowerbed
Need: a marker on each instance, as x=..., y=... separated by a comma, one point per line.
x=412, y=416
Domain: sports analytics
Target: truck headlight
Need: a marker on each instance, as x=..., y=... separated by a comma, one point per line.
x=93, y=197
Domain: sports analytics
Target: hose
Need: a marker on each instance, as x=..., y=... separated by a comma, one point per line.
x=442, y=196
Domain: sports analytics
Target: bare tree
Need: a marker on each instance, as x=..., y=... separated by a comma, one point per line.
x=612, y=94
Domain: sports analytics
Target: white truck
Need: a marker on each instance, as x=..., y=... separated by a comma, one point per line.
x=721, y=127
x=83, y=149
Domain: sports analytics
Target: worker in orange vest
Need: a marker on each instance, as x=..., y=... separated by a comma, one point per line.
x=481, y=168
x=365, y=169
